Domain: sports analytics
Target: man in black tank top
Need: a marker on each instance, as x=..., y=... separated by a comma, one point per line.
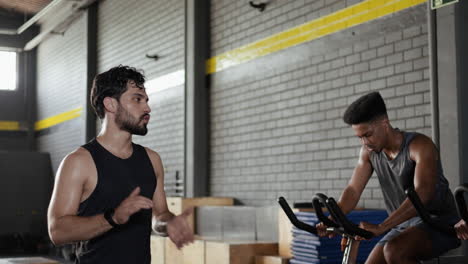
x=400, y=160
x=108, y=191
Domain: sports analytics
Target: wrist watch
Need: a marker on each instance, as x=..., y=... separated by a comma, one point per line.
x=160, y=228
x=108, y=216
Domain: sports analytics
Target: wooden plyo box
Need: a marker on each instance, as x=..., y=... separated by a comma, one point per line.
x=158, y=250
x=178, y=204
x=237, y=252
x=271, y=260
x=285, y=233
x=31, y=260
x=194, y=253
x=164, y=251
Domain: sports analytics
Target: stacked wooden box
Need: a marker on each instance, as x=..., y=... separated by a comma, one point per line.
x=211, y=251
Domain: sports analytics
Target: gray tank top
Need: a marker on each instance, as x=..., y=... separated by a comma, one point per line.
x=396, y=175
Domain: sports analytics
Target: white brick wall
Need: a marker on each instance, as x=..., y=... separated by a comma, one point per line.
x=276, y=121
x=61, y=71
x=127, y=31
x=61, y=87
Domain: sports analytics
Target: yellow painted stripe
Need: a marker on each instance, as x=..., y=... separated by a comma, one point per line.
x=57, y=119
x=9, y=126
x=340, y=20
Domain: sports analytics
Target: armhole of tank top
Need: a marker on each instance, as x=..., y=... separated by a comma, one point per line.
x=408, y=143
x=146, y=154
x=91, y=195
x=372, y=160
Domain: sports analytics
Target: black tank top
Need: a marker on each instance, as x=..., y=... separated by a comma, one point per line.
x=116, y=179
x=396, y=175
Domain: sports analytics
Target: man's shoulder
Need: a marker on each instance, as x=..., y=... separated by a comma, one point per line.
x=152, y=153
x=420, y=140
x=77, y=165
x=422, y=145
x=78, y=157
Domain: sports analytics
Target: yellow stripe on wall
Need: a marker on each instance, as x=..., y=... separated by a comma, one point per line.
x=348, y=17
x=9, y=126
x=57, y=119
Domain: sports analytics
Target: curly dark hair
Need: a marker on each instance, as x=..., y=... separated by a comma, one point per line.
x=367, y=108
x=113, y=83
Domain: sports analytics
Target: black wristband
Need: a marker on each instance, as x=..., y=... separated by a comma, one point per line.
x=108, y=216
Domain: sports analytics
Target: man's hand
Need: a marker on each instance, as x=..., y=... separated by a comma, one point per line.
x=322, y=230
x=462, y=230
x=179, y=230
x=377, y=230
x=132, y=204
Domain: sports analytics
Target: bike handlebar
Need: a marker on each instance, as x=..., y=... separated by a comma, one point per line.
x=424, y=214
x=320, y=199
x=349, y=227
x=461, y=203
x=292, y=217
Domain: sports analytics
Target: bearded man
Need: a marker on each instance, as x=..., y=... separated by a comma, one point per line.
x=107, y=191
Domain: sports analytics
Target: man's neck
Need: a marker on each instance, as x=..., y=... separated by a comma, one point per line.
x=115, y=140
x=395, y=139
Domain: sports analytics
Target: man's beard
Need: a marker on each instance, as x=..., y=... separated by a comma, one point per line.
x=128, y=123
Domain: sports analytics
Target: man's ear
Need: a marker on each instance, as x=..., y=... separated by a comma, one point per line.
x=385, y=122
x=110, y=104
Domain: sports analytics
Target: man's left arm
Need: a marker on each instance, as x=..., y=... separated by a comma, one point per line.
x=177, y=227
x=425, y=155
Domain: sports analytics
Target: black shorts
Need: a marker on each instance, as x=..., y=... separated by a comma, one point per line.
x=441, y=242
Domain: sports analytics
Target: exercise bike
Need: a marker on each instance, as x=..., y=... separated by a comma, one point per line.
x=426, y=217
x=424, y=213
x=339, y=225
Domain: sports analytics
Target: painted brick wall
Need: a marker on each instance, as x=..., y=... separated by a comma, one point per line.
x=276, y=121
x=126, y=33
x=61, y=87
x=236, y=23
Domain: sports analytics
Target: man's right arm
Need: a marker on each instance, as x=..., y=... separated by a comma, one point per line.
x=361, y=175
x=63, y=223
x=351, y=194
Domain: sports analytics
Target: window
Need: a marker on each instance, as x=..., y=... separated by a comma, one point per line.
x=8, y=70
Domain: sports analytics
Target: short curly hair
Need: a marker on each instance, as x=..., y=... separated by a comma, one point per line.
x=365, y=109
x=113, y=83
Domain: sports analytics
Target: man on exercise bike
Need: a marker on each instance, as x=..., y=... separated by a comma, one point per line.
x=400, y=159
